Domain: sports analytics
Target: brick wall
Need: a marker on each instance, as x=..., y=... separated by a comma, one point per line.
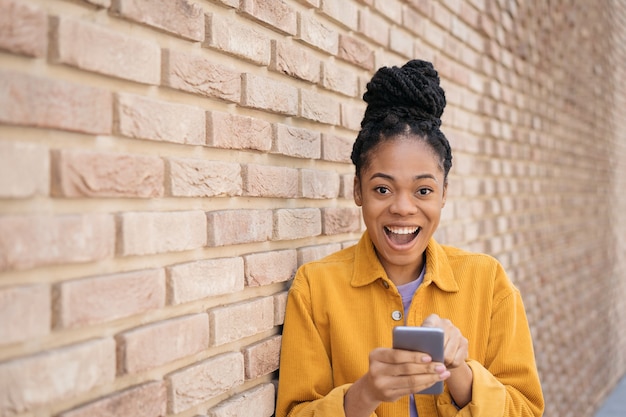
x=166, y=165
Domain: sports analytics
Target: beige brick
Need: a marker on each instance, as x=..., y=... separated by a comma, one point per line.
x=157, y=344
x=319, y=184
x=341, y=220
x=200, y=178
x=313, y=253
x=319, y=107
x=280, y=302
x=343, y=12
x=195, y=280
x=205, y=380
x=232, y=227
x=143, y=233
x=267, y=94
x=336, y=148
x=237, y=321
x=232, y=131
x=297, y=223
x=24, y=170
x=145, y=118
x=355, y=52
x=78, y=173
x=58, y=374
x=262, y=358
x=92, y=47
x=24, y=313
x=100, y=3
x=199, y=75
x=270, y=181
x=315, y=33
x=413, y=21
x=243, y=41
x=374, y=27
x=275, y=14
x=23, y=29
x=30, y=241
x=255, y=402
x=270, y=267
x=346, y=188
x=392, y=9
x=227, y=3
x=337, y=79
x=294, y=60
x=145, y=400
x=401, y=42
x=180, y=17
x=104, y=298
x=310, y=3
x=297, y=142
x=351, y=116
x=39, y=102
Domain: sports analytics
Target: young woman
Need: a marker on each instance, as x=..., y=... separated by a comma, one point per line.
x=336, y=356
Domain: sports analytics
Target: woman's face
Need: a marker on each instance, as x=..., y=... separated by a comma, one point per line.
x=401, y=191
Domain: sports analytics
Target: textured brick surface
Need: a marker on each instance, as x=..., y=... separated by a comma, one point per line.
x=293, y=141
x=275, y=14
x=294, y=61
x=340, y=220
x=340, y=80
x=24, y=313
x=238, y=39
x=231, y=227
x=200, y=178
x=270, y=181
x=355, y=51
x=269, y=267
x=236, y=321
x=319, y=184
x=267, y=94
x=238, y=132
x=24, y=170
x=336, y=148
x=296, y=223
x=313, y=253
x=23, y=29
x=262, y=358
x=256, y=402
x=317, y=34
x=319, y=107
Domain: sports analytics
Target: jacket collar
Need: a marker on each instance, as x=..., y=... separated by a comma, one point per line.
x=368, y=269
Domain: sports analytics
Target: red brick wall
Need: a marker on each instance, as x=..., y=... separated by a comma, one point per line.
x=165, y=166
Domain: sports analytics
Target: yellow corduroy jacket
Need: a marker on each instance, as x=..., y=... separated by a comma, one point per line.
x=340, y=308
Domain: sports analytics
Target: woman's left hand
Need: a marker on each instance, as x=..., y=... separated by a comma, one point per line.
x=455, y=344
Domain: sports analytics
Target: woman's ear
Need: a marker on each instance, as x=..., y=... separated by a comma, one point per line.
x=357, y=191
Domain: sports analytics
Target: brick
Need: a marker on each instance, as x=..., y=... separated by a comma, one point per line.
x=313, y=253
x=319, y=184
x=255, y=402
x=30, y=241
x=425, y=7
x=319, y=107
x=200, y=382
x=270, y=267
x=262, y=358
x=179, y=17
x=232, y=227
x=39, y=102
x=24, y=313
x=346, y=188
x=23, y=29
x=392, y=9
x=233, y=4
x=78, y=173
x=24, y=170
x=401, y=42
x=145, y=118
x=297, y=223
x=297, y=142
x=342, y=12
x=105, y=298
x=196, y=280
x=295, y=61
x=100, y=3
x=266, y=94
x=231, y=131
x=145, y=400
x=336, y=148
x=414, y=21
x=270, y=181
x=237, y=321
x=143, y=233
x=189, y=177
x=198, y=75
x=310, y=3
x=355, y=52
x=351, y=115
x=55, y=375
x=374, y=27
x=88, y=47
x=280, y=302
x=143, y=348
x=337, y=79
x=244, y=41
x=337, y=220
x=315, y=33
x=275, y=14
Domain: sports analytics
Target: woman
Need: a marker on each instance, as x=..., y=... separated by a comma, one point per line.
x=336, y=356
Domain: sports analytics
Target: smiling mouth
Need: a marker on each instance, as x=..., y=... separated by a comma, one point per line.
x=401, y=235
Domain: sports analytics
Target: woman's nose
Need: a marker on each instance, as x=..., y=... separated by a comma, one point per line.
x=403, y=204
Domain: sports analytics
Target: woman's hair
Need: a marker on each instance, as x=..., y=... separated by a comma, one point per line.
x=402, y=101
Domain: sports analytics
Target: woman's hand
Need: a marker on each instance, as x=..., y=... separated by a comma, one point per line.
x=392, y=373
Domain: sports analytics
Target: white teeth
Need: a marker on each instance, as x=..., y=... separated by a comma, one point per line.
x=402, y=230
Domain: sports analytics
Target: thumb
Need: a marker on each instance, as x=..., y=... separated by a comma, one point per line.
x=431, y=321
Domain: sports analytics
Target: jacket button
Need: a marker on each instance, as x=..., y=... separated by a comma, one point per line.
x=396, y=315
x=386, y=284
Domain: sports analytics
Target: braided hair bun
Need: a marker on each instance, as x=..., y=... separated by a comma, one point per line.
x=403, y=100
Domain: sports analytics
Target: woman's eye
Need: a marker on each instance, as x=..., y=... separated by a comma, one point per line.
x=382, y=190
x=424, y=191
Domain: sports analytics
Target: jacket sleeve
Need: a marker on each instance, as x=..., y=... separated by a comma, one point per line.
x=507, y=384
x=305, y=386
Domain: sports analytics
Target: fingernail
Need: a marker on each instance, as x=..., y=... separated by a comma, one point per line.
x=440, y=368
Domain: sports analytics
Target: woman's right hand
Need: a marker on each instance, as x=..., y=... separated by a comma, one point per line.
x=392, y=374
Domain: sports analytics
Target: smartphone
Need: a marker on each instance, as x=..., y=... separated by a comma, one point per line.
x=422, y=339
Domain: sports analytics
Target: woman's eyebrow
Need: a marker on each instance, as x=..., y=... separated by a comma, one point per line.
x=391, y=178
